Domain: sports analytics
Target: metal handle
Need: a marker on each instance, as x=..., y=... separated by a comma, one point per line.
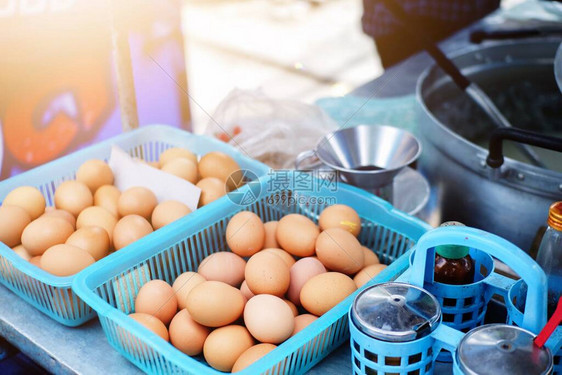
x=534, y=317
x=307, y=155
x=495, y=157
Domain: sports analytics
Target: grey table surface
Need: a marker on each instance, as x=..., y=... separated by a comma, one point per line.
x=85, y=350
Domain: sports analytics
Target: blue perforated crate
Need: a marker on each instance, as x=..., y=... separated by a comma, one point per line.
x=111, y=288
x=52, y=294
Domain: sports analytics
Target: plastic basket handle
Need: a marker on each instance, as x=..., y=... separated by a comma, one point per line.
x=446, y=338
x=534, y=317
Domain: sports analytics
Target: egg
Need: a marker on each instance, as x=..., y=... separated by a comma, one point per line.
x=73, y=196
x=97, y=217
x=95, y=173
x=53, y=212
x=245, y=234
x=324, y=291
x=130, y=229
x=223, y=266
x=264, y=309
x=220, y=165
x=183, y=285
x=225, y=345
x=130, y=281
x=252, y=355
x=369, y=256
x=36, y=261
x=303, y=321
x=215, y=304
x=367, y=273
x=211, y=189
x=167, y=212
x=107, y=196
x=182, y=168
x=270, y=240
x=13, y=220
x=340, y=216
x=302, y=271
x=186, y=334
x=65, y=260
x=94, y=240
x=174, y=153
x=297, y=235
x=267, y=273
x=292, y=307
x=137, y=200
x=157, y=298
x=44, y=232
x=340, y=251
x=152, y=323
x=287, y=258
x=27, y=197
x=22, y=252
x=246, y=292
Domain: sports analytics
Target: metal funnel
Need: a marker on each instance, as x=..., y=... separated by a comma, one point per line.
x=369, y=156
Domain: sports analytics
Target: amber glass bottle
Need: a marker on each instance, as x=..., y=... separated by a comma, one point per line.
x=453, y=264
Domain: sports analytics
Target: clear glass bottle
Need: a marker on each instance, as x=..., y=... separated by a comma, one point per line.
x=549, y=256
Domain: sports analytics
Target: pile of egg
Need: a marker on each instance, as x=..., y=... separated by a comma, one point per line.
x=279, y=278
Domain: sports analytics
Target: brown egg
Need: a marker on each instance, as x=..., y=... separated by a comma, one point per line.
x=186, y=334
x=107, y=196
x=168, y=212
x=182, y=168
x=44, y=232
x=287, y=258
x=303, y=321
x=340, y=251
x=97, y=216
x=302, y=271
x=223, y=266
x=94, y=240
x=225, y=345
x=137, y=201
x=28, y=198
x=129, y=281
x=157, y=298
x=220, y=165
x=73, y=196
x=13, y=220
x=324, y=291
x=369, y=256
x=130, y=229
x=174, y=153
x=260, y=313
x=53, y=212
x=246, y=292
x=368, y=273
x=65, y=260
x=252, y=355
x=340, y=216
x=20, y=250
x=245, y=234
x=297, y=235
x=95, y=173
x=292, y=307
x=270, y=240
x=211, y=189
x=215, y=304
x=36, y=261
x=151, y=323
x=183, y=284
x=267, y=273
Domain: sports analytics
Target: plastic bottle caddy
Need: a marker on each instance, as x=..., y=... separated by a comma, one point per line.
x=420, y=305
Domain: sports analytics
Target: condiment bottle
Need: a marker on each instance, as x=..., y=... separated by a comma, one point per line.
x=549, y=256
x=502, y=349
x=453, y=264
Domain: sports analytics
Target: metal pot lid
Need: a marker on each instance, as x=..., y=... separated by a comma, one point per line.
x=502, y=349
x=396, y=312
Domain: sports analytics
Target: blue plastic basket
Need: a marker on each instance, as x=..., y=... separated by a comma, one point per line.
x=111, y=288
x=420, y=273
x=52, y=294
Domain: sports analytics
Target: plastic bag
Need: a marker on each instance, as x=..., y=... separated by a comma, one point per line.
x=269, y=130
